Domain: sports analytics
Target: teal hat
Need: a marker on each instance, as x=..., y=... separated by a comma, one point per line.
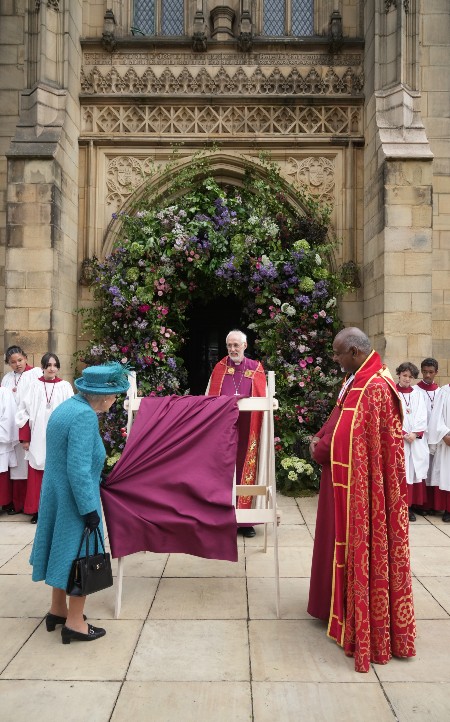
x=104, y=380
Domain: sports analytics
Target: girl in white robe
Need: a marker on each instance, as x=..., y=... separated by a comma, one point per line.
x=439, y=440
x=17, y=381
x=40, y=399
x=414, y=429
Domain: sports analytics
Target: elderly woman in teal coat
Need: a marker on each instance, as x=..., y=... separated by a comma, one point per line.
x=70, y=495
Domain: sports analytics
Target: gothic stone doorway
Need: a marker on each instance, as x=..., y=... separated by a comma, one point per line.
x=208, y=325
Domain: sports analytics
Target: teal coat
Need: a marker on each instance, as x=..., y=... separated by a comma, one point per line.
x=70, y=489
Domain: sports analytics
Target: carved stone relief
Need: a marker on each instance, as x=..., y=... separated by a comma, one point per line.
x=225, y=120
x=316, y=173
x=316, y=81
x=123, y=175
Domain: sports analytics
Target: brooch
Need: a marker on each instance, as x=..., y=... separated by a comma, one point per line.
x=230, y=370
x=248, y=374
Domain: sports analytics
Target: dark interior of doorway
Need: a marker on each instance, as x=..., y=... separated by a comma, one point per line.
x=207, y=328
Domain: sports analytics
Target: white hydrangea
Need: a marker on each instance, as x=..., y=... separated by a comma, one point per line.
x=318, y=260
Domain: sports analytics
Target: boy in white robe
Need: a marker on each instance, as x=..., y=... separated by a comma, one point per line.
x=414, y=428
x=439, y=440
x=430, y=390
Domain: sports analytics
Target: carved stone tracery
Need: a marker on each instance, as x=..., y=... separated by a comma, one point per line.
x=225, y=120
x=317, y=81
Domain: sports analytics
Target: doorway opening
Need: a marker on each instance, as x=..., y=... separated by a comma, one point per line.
x=208, y=325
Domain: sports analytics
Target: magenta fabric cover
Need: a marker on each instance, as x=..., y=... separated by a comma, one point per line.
x=171, y=490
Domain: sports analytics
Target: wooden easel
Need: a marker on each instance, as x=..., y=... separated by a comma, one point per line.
x=266, y=512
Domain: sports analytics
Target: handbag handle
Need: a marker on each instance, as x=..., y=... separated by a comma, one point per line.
x=85, y=538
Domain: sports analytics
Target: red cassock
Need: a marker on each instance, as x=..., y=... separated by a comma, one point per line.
x=371, y=612
x=252, y=382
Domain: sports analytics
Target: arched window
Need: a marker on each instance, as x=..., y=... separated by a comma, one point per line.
x=288, y=17
x=158, y=17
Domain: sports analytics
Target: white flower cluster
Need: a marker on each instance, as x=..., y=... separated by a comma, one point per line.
x=295, y=467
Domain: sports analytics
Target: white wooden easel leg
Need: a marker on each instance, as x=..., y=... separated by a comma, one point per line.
x=119, y=588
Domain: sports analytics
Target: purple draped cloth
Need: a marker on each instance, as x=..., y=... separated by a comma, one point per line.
x=171, y=490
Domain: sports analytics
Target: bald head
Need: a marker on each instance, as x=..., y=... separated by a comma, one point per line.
x=351, y=347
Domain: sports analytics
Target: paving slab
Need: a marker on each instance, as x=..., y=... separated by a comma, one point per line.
x=185, y=565
x=137, y=597
x=431, y=663
x=27, y=700
x=430, y=561
x=427, y=702
x=44, y=657
x=7, y=552
x=293, y=561
x=197, y=651
x=186, y=701
x=205, y=598
x=439, y=589
x=428, y=603
x=299, y=651
x=20, y=597
x=142, y=564
x=14, y=633
x=13, y=533
x=427, y=535
x=320, y=701
x=289, y=535
x=293, y=598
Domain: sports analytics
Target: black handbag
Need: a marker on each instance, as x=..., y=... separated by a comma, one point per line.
x=90, y=573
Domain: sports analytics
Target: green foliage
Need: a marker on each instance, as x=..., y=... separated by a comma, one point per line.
x=210, y=241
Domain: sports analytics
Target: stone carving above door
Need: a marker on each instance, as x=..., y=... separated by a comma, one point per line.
x=316, y=173
x=276, y=82
x=124, y=174
x=224, y=120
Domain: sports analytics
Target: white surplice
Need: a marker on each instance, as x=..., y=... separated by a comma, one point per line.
x=20, y=383
x=36, y=406
x=9, y=432
x=438, y=428
x=415, y=419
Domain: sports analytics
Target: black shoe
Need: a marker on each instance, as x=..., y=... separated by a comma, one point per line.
x=412, y=516
x=51, y=620
x=420, y=511
x=70, y=635
x=34, y=519
x=446, y=516
x=248, y=532
x=13, y=512
x=7, y=507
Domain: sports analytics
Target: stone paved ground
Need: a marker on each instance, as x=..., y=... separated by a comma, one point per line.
x=199, y=641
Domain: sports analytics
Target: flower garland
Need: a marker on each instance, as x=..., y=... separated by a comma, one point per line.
x=211, y=242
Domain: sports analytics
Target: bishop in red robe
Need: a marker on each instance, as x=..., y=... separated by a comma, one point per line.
x=237, y=375
x=360, y=576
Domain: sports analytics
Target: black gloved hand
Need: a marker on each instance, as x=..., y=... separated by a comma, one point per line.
x=92, y=520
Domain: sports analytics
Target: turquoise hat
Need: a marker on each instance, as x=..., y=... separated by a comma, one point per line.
x=111, y=378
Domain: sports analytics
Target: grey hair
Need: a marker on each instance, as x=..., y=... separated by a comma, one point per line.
x=356, y=338
x=241, y=334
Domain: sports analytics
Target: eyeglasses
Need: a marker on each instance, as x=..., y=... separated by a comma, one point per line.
x=234, y=345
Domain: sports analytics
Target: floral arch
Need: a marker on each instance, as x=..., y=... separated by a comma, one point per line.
x=207, y=228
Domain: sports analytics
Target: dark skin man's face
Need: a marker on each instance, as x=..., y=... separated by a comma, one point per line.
x=428, y=374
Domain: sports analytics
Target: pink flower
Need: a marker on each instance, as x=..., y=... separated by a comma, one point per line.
x=300, y=419
x=164, y=311
x=322, y=313
x=309, y=359
x=160, y=293
x=124, y=360
x=301, y=384
x=315, y=315
x=302, y=363
x=162, y=280
x=167, y=335
x=190, y=259
x=124, y=349
x=259, y=311
x=144, y=308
